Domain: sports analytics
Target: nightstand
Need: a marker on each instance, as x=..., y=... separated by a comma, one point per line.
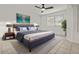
x=9, y=35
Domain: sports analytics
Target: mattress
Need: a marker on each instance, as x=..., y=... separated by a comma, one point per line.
x=36, y=36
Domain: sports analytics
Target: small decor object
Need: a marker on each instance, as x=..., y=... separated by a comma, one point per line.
x=64, y=26
x=36, y=26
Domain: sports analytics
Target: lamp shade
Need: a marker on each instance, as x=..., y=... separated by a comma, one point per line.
x=36, y=25
x=8, y=24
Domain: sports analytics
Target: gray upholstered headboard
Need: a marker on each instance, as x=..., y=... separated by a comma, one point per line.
x=15, y=26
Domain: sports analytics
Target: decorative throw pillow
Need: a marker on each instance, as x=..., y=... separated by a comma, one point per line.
x=23, y=29
x=32, y=28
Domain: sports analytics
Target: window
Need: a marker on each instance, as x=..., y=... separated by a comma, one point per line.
x=58, y=20
x=50, y=20
x=55, y=20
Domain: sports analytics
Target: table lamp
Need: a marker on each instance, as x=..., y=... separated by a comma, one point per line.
x=9, y=25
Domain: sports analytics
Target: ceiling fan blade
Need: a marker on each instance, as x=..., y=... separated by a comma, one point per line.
x=37, y=7
x=49, y=7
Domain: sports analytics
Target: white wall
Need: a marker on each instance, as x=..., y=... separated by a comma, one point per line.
x=72, y=23
x=8, y=14
x=76, y=24
x=56, y=29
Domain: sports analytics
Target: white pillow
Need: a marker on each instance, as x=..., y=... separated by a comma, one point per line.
x=32, y=28
x=23, y=29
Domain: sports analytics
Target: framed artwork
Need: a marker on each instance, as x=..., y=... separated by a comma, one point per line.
x=22, y=18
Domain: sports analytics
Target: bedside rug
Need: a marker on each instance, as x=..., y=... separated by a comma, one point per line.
x=6, y=48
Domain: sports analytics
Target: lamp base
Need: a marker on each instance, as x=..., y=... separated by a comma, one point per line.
x=9, y=30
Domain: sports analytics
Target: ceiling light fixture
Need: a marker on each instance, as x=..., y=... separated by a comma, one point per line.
x=43, y=9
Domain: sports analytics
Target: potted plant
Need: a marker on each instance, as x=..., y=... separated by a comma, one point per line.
x=64, y=26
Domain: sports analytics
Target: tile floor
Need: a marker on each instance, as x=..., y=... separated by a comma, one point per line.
x=65, y=47
x=62, y=47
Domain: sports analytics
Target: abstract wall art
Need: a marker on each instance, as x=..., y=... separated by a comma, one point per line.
x=20, y=18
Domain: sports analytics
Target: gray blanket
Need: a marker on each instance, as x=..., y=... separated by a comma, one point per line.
x=20, y=35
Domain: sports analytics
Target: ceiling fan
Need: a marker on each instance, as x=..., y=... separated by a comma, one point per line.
x=44, y=8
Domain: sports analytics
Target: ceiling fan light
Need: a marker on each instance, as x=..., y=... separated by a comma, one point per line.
x=43, y=9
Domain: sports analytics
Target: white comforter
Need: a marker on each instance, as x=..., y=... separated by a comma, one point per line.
x=34, y=36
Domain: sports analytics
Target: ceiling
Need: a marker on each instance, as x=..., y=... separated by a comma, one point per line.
x=32, y=9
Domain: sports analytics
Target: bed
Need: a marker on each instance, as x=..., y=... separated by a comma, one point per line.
x=34, y=38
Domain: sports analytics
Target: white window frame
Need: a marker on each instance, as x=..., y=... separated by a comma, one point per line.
x=53, y=20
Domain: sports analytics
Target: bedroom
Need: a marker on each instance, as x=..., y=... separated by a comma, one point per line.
x=59, y=12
